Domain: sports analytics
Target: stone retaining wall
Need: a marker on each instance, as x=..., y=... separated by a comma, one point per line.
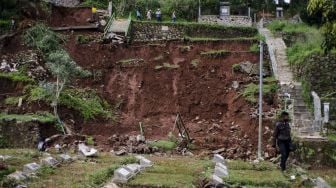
x=240, y=21
x=152, y=31
x=24, y=134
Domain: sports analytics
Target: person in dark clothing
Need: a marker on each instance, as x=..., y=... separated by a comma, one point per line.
x=282, y=138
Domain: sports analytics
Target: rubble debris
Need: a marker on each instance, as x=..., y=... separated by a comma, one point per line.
x=17, y=175
x=50, y=161
x=87, y=151
x=65, y=158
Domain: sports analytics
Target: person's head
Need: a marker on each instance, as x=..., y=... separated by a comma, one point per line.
x=284, y=116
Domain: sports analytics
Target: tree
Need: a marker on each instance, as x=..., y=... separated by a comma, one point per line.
x=64, y=69
x=327, y=8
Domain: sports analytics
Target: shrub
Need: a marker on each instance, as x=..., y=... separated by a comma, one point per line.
x=251, y=90
x=164, y=145
x=82, y=39
x=236, y=68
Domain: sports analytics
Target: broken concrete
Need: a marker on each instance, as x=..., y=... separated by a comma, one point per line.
x=321, y=183
x=133, y=168
x=87, y=151
x=216, y=179
x=144, y=163
x=221, y=172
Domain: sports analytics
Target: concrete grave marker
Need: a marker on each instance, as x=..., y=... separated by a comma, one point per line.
x=144, y=163
x=122, y=175
x=165, y=28
x=221, y=172
x=221, y=165
x=216, y=179
x=87, y=151
x=31, y=168
x=65, y=158
x=18, y=175
x=218, y=159
x=134, y=168
x=50, y=161
x=321, y=183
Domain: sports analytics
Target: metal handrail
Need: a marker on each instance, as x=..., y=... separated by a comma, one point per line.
x=109, y=24
x=129, y=23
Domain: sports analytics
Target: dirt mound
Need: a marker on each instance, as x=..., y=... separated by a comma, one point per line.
x=61, y=16
x=153, y=82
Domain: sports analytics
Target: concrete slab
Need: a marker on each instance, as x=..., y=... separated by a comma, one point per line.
x=216, y=179
x=17, y=175
x=31, y=168
x=122, y=175
x=49, y=161
x=65, y=158
x=218, y=159
x=221, y=172
x=133, y=168
x=87, y=151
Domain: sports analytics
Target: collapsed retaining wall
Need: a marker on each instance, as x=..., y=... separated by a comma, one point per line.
x=17, y=134
x=152, y=31
x=240, y=21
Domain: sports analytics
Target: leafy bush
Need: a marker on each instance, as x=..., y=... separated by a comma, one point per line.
x=42, y=38
x=13, y=100
x=164, y=145
x=19, y=76
x=101, y=4
x=251, y=90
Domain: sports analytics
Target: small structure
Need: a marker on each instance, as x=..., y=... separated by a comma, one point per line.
x=225, y=17
x=224, y=9
x=279, y=12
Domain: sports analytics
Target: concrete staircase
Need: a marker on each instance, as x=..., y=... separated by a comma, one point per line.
x=302, y=123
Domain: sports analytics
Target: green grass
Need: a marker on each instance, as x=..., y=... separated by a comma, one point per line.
x=264, y=174
x=176, y=172
x=83, y=39
x=329, y=175
x=254, y=48
x=167, y=65
x=43, y=118
x=251, y=90
x=195, y=62
x=165, y=145
x=19, y=76
x=13, y=100
x=300, y=49
x=215, y=53
x=87, y=102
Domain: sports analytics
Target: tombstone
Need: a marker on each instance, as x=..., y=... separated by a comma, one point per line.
x=218, y=159
x=224, y=9
x=17, y=175
x=49, y=161
x=216, y=179
x=65, y=158
x=87, y=151
x=31, y=168
x=279, y=12
x=144, y=163
x=122, y=175
x=326, y=106
x=317, y=110
x=133, y=168
x=221, y=165
x=109, y=9
x=221, y=172
x=321, y=183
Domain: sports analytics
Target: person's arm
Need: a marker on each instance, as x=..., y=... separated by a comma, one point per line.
x=275, y=134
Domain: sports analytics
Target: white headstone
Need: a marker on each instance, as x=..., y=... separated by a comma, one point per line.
x=144, y=163
x=50, y=161
x=216, y=179
x=221, y=172
x=18, y=175
x=218, y=159
x=221, y=165
x=31, y=168
x=87, y=151
x=326, y=106
x=133, y=168
x=122, y=175
x=65, y=158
